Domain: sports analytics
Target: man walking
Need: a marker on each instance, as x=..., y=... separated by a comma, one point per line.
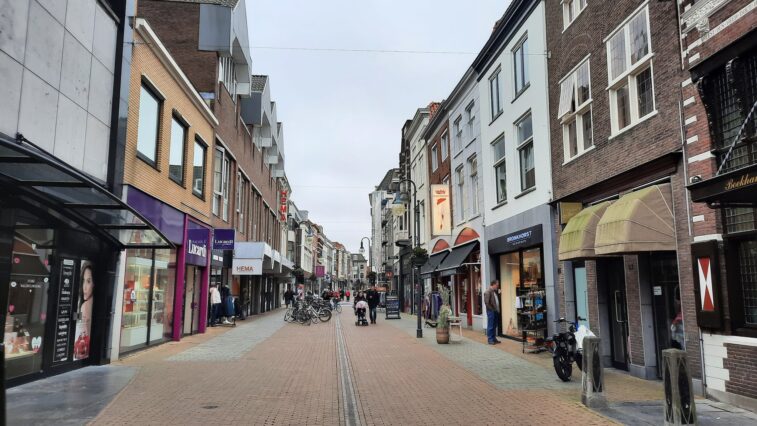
x=288, y=296
x=491, y=300
x=373, y=299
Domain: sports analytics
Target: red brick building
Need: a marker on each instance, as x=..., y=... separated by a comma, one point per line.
x=619, y=179
x=719, y=49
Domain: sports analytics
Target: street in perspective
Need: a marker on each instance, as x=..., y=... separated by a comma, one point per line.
x=500, y=212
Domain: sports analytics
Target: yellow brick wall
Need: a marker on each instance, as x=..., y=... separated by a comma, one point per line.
x=144, y=176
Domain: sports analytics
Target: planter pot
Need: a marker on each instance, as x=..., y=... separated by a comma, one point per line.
x=442, y=335
x=419, y=261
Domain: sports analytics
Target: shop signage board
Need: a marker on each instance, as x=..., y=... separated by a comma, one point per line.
x=283, y=205
x=223, y=239
x=392, y=307
x=320, y=271
x=197, y=246
x=247, y=267
x=707, y=284
x=516, y=240
x=568, y=210
x=738, y=187
x=441, y=220
x=65, y=310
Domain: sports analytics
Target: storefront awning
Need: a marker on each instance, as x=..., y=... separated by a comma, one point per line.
x=456, y=258
x=639, y=221
x=433, y=262
x=35, y=175
x=733, y=189
x=577, y=239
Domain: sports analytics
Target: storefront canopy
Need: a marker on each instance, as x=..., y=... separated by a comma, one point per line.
x=735, y=189
x=577, y=239
x=433, y=262
x=456, y=258
x=42, y=179
x=638, y=222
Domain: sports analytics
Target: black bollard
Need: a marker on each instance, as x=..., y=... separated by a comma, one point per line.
x=592, y=374
x=680, y=408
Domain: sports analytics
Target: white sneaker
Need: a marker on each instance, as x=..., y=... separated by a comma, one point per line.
x=226, y=322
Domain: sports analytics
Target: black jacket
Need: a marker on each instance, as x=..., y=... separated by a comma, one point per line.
x=373, y=298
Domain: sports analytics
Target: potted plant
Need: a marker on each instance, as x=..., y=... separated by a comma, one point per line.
x=420, y=256
x=442, y=322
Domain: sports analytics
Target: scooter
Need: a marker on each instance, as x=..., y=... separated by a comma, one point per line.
x=566, y=347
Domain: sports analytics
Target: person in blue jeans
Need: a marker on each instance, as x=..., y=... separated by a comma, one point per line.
x=491, y=301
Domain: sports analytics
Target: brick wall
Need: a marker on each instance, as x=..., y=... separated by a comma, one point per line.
x=438, y=175
x=155, y=180
x=592, y=291
x=633, y=306
x=741, y=363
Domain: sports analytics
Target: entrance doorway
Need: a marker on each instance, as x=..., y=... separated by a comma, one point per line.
x=581, y=294
x=463, y=291
x=191, y=317
x=613, y=278
x=666, y=296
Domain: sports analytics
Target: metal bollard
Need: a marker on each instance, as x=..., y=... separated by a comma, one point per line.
x=680, y=408
x=592, y=374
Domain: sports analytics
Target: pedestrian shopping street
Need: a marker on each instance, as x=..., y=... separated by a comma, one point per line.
x=267, y=371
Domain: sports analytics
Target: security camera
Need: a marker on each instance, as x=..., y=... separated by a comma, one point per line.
x=695, y=179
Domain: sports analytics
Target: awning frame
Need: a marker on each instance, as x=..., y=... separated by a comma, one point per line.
x=468, y=248
x=22, y=151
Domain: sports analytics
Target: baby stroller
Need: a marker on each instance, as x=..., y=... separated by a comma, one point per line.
x=361, y=308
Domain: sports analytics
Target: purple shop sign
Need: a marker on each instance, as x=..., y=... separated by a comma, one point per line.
x=223, y=239
x=320, y=271
x=197, y=246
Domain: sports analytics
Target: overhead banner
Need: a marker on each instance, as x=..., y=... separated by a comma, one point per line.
x=441, y=220
x=247, y=267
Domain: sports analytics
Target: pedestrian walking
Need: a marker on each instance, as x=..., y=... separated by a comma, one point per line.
x=491, y=300
x=215, y=304
x=347, y=293
x=288, y=296
x=373, y=299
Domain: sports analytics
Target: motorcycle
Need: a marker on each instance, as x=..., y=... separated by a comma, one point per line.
x=566, y=348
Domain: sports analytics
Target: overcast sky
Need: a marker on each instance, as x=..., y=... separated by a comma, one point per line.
x=343, y=112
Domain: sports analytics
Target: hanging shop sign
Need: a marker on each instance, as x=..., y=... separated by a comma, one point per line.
x=65, y=309
x=197, y=246
x=514, y=241
x=283, y=205
x=320, y=271
x=441, y=219
x=247, y=267
x=568, y=210
x=707, y=285
x=223, y=239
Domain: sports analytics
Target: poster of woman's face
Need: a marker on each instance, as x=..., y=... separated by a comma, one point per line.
x=84, y=317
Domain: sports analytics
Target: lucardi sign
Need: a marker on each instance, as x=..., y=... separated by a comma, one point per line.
x=197, y=246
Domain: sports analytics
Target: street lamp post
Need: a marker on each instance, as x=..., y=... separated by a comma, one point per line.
x=416, y=242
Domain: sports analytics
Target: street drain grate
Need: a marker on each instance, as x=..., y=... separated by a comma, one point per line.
x=209, y=407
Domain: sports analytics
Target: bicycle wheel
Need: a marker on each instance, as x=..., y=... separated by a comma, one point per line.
x=303, y=318
x=338, y=308
x=324, y=315
x=288, y=316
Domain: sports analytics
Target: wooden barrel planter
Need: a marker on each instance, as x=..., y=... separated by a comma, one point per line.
x=442, y=335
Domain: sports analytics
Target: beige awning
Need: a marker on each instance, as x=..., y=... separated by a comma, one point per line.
x=577, y=239
x=639, y=221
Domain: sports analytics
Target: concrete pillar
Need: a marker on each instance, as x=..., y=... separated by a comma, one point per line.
x=592, y=374
x=680, y=408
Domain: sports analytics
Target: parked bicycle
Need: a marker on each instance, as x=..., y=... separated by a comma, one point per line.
x=566, y=347
x=306, y=312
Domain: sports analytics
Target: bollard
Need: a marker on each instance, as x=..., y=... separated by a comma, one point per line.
x=680, y=408
x=592, y=374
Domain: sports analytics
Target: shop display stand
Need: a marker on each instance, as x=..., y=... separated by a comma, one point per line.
x=533, y=318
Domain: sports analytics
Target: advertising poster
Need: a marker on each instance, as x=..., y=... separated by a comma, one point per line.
x=441, y=220
x=84, y=315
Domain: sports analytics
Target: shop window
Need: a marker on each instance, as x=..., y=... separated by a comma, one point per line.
x=740, y=219
x=575, y=111
x=523, y=299
x=500, y=169
x=520, y=67
x=24, y=336
x=176, y=150
x=631, y=86
x=198, y=168
x=524, y=132
x=148, y=126
x=747, y=251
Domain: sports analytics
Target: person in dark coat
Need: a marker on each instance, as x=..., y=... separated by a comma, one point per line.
x=373, y=298
x=288, y=296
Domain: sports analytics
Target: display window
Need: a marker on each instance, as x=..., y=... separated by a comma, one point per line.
x=523, y=297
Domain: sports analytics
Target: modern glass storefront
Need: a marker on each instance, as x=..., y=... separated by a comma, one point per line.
x=522, y=290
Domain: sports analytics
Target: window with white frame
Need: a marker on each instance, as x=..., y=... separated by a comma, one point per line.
x=520, y=66
x=458, y=200
x=445, y=145
x=470, y=117
x=629, y=58
x=434, y=158
x=473, y=173
x=574, y=111
x=525, y=136
x=198, y=168
x=217, y=180
x=226, y=188
x=458, y=137
x=239, y=204
x=500, y=169
x=571, y=9
x=226, y=74
x=496, y=105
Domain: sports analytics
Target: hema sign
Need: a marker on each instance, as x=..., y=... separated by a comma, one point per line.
x=247, y=267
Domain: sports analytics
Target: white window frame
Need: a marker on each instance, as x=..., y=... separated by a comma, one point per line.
x=434, y=157
x=218, y=189
x=572, y=6
x=571, y=112
x=522, y=146
x=458, y=138
x=520, y=49
x=227, y=74
x=499, y=161
x=445, y=144
x=458, y=202
x=470, y=117
x=225, y=188
x=495, y=94
x=475, y=187
x=628, y=77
